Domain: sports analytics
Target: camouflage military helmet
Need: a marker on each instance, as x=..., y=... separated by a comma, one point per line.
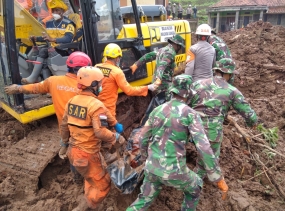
x=177, y=39
x=226, y=65
x=181, y=85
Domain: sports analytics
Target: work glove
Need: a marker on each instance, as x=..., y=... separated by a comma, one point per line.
x=223, y=187
x=120, y=140
x=12, y=89
x=134, y=67
x=119, y=127
x=62, y=152
x=152, y=87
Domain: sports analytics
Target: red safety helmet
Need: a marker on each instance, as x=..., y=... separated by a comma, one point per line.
x=78, y=59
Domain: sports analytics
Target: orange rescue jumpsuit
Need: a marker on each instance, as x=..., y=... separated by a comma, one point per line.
x=84, y=125
x=114, y=78
x=43, y=13
x=61, y=88
x=27, y=4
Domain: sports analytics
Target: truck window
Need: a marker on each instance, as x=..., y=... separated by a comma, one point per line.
x=110, y=23
x=128, y=58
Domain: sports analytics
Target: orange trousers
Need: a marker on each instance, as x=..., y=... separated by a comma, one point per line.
x=97, y=181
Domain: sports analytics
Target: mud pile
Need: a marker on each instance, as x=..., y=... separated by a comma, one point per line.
x=259, y=54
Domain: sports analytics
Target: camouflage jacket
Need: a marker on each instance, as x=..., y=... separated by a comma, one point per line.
x=213, y=99
x=165, y=64
x=221, y=48
x=163, y=138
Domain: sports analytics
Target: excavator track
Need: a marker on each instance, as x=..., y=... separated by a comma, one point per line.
x=28, y=157
x=32, y=156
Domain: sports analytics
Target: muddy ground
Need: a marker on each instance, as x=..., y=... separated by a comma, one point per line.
x=259, y=53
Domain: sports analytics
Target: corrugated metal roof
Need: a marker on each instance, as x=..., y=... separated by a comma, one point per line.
x=228, y=3
x=276, y=10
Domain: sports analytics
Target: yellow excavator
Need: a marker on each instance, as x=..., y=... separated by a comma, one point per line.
x=103, y=22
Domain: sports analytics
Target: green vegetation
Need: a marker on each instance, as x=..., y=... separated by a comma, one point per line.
x=202, y=6
x=269, y=154
x=270, y=135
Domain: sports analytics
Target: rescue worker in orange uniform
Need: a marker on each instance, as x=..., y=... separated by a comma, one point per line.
x=61, y=88
x=84, y=128
x=41, y=11
x=27, y=4
x=114, y=78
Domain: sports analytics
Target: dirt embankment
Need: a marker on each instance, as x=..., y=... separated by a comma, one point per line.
x=259, y=54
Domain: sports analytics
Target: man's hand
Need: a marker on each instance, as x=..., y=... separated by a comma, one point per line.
x=62, y=152
x=119, y=127
x=48, y=38
x=33, y=38
x=12, y=89
x=134, y=67
x=120, y=140
x=223, y=187
x=152, y=87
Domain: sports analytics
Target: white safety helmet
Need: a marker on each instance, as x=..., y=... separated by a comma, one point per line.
x=203, y=29
x=190, y=5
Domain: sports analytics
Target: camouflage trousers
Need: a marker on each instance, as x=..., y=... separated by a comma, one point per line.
x=214, y=131
x=152, y=185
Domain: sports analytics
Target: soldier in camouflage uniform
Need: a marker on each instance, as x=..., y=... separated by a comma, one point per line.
x=213, y=99
x=162, y=142
x=165, y=64
x=221, y=48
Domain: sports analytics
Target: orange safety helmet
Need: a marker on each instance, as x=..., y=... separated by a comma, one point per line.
x=89, y=76
x=78, y=59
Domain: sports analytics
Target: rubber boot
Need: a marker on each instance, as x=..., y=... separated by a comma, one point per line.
x=77, y=178
x=35, y=74
x=46, y=73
